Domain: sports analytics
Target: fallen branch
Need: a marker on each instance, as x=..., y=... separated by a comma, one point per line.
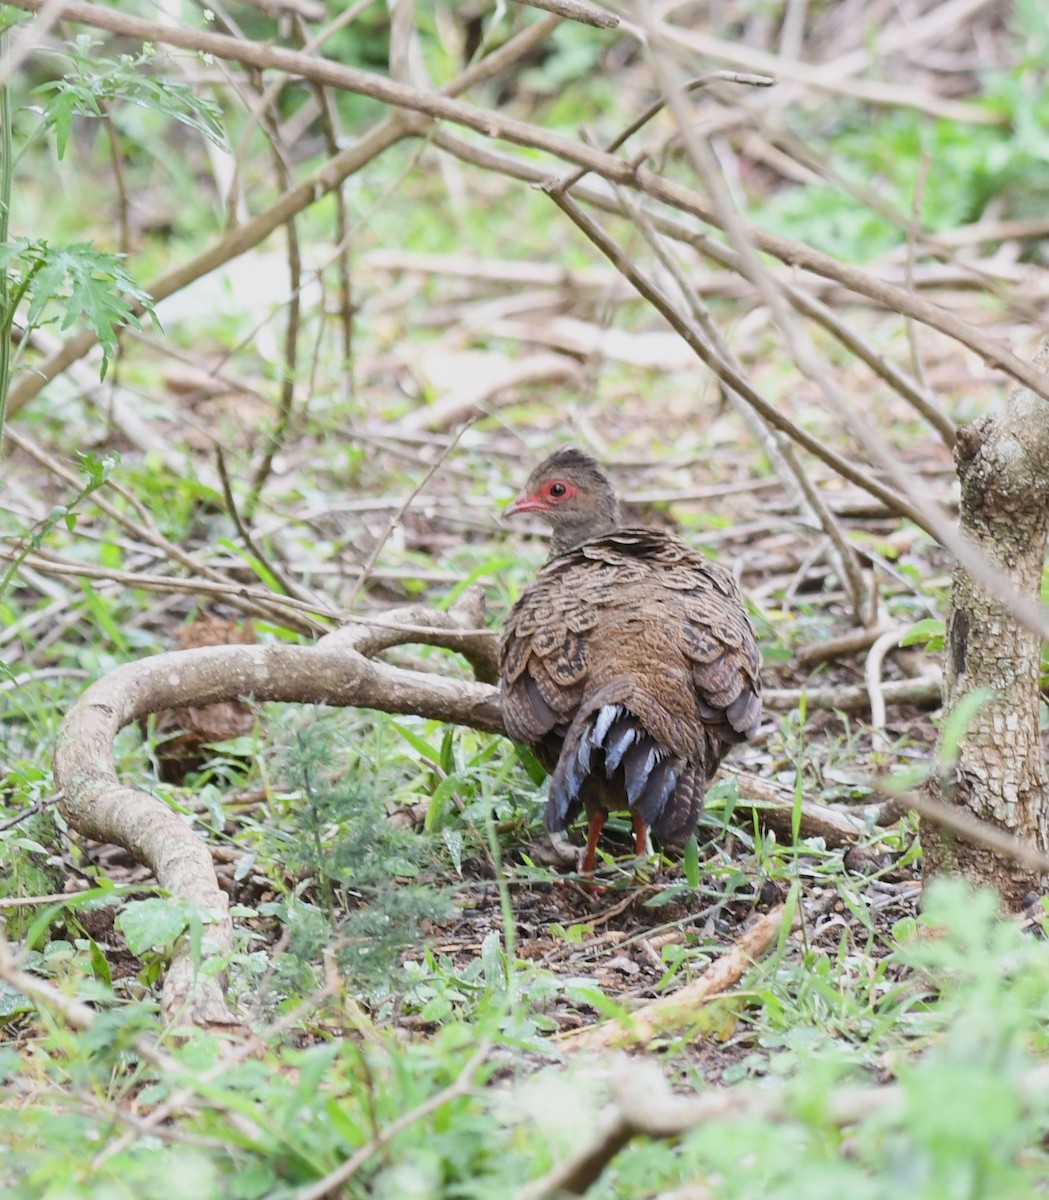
x=775, y=808
x=925, y=692
x=681, y=1009
x=643, y=1104
x=337, y=670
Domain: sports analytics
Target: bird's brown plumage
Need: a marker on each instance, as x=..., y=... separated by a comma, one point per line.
x=629, y=665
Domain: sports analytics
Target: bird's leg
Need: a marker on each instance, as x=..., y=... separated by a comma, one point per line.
x=595, y=823
x=640, y=835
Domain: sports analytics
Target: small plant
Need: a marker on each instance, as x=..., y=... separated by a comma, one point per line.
x=360, y=879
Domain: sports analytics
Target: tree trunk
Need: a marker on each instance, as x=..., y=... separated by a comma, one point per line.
x=1003, y=466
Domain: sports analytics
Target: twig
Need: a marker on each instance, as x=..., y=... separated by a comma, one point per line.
x=657, y=106
x=643, y=1104
x=983, y=833
x=889, y=640
x=328, y=120
x=290, y=586
x=919, y=191
x=286, y=610
x=832, y=77
x=261, y=604
x=924, y=692
x=576, y=10
x=462, y=1086
x=724, y=256
x=680, y=1009
x=936, y=521
x=814, y=653
x=723, y=370
x=775, y=808
x=491, y=124
x=863, y=599
x=398, y=516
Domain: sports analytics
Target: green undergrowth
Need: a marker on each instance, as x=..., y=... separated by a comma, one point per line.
x=950, y=1017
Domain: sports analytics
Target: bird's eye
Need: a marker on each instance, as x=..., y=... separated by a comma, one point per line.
x=557, y=490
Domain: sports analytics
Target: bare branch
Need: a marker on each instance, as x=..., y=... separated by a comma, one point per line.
x=576, y=10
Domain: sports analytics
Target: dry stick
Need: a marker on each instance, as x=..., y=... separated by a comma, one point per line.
x=657, y=106
x=269, y=95
x=286, y=610
x=267, y=122
x=478, y=645
x=309, y=10
x=972, y=829
x=775, y=809
x=495, y=125
x=889, y=640
x=398, y=516
x=471, y=401
x=919, y=396
x=922, y=401
x=863, y=599
x=262, y=604
x=329, y=127
x=681, y=1009
x=279, y=432
x=643, y=1105
x=829, y=77
x=924, y=692
x=722, y=369
x=844, y=698
x=325, y=179
x=937, y=244
x=912, y=333
x=230, y=246
x=491, y=64
x=291, y=586
x=815, y=653
x=576, y=10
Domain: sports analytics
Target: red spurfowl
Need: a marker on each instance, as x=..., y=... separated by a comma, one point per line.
x=629, y=664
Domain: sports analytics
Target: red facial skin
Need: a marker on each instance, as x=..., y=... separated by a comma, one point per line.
x=546, y=497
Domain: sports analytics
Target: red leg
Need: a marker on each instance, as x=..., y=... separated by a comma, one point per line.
x=596, y=824
x=640, y=835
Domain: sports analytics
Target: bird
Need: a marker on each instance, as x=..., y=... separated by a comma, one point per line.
x=629, y=665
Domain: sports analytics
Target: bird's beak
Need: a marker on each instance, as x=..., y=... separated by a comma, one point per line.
x=522, y=503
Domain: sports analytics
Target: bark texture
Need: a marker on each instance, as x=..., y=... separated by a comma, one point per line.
x=999, y=776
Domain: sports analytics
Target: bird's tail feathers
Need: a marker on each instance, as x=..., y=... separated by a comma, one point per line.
x=607, y=739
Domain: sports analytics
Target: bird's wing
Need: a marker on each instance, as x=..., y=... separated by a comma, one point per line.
x=543, y=652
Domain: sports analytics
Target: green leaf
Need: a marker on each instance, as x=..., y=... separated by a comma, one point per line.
x=493, y=961
x=153, y=924
x=99, y=964
x=447, y=755
x=531, y=764
x=928, y=632
x=691, y=862
x=419, y=744
x=454, y=841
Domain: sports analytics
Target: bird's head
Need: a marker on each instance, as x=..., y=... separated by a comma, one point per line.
x=569, y=492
